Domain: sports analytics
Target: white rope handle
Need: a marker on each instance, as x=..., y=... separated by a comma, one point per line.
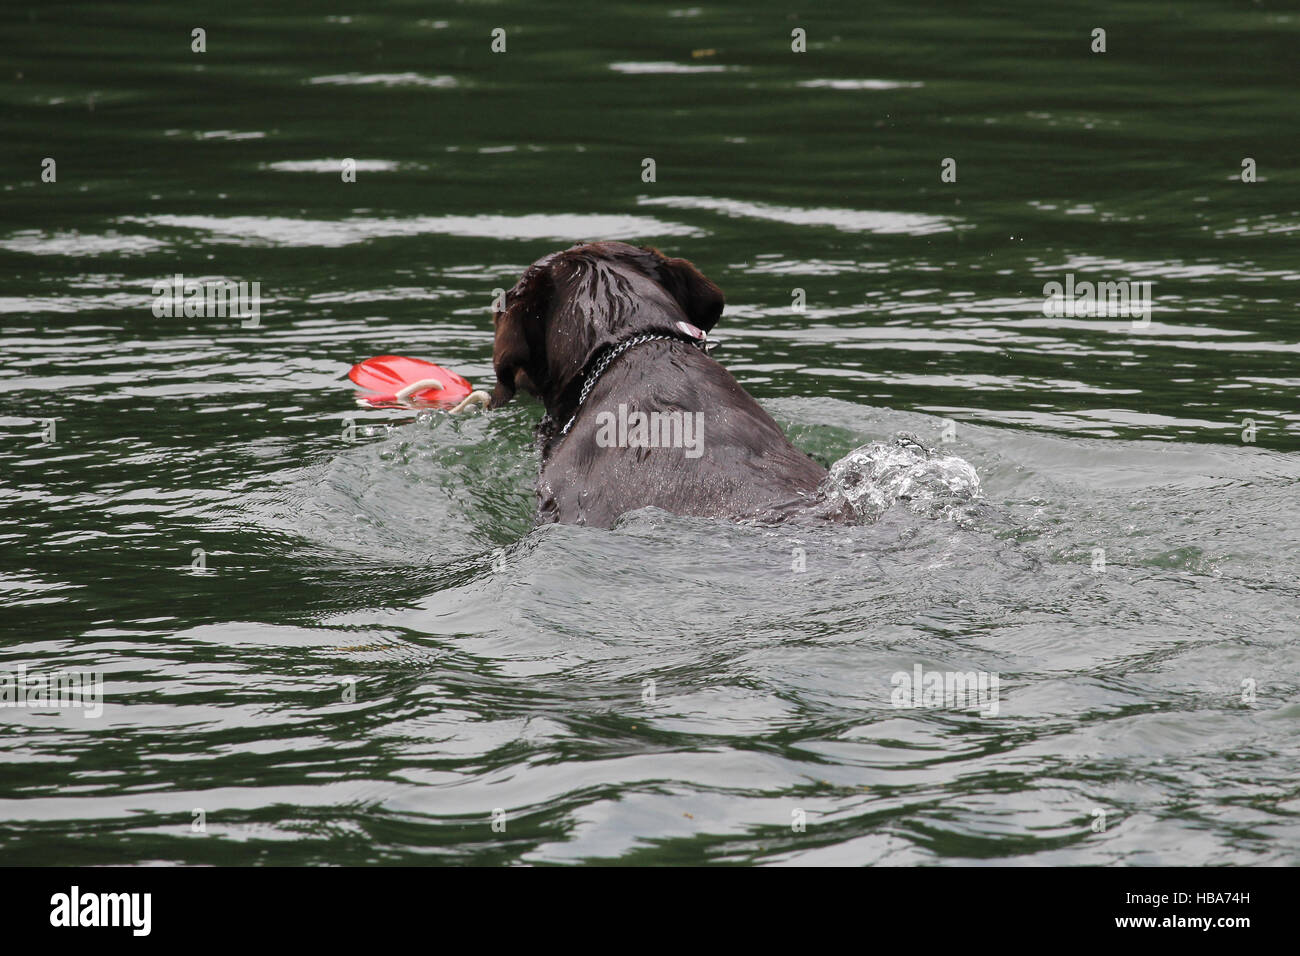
x=476, y=397
x=420, y=386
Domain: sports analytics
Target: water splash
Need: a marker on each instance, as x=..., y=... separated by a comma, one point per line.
x=872, y=478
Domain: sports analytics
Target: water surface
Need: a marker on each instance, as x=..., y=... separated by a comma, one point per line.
x=380, y=651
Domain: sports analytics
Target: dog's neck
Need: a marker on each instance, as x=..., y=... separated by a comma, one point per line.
x=561, y=415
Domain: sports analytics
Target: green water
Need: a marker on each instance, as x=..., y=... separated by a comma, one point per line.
x=379, y=652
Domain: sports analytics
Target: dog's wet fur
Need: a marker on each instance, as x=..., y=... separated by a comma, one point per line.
x=565, y=311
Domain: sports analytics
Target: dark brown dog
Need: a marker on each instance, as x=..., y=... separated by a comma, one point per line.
x=576, y=319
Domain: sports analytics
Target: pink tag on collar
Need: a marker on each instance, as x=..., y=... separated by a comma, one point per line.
x=687, y=329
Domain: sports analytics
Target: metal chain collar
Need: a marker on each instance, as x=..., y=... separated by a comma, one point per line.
x=599, y=369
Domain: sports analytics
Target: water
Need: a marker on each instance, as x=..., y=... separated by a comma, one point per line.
x=379, y=652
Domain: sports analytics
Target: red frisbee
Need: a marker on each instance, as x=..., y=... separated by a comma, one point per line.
x=398, y=380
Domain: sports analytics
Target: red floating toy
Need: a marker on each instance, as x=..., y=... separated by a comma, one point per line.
x=400, y=382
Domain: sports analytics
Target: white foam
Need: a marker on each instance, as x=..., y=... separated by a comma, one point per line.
x=872, y=478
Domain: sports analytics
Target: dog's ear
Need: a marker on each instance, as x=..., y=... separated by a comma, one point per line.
x=700, y=299
x=519, y=346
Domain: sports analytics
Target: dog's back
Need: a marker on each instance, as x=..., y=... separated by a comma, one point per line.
x=666, y=425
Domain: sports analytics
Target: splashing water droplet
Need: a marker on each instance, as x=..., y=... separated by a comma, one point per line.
x=872, y=478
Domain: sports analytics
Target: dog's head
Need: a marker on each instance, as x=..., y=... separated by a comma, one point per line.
x=571, y=304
